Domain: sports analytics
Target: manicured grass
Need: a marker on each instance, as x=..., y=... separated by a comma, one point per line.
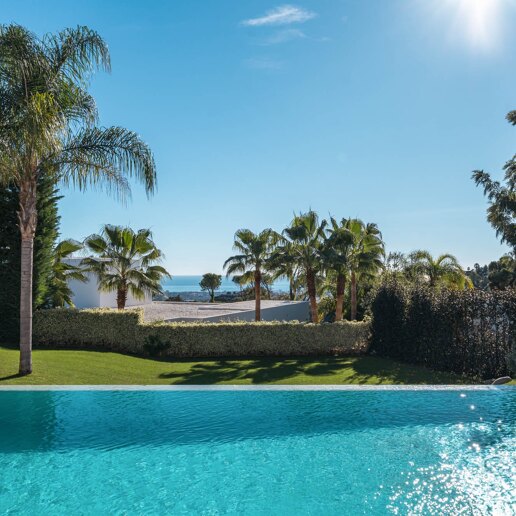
x=97, y=368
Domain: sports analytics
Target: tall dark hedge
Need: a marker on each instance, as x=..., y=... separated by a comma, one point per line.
x=47, y=233
x=467, y=332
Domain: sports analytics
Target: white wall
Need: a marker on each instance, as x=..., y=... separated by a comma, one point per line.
x=87, y=295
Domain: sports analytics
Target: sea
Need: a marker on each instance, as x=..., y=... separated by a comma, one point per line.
x=180, y=284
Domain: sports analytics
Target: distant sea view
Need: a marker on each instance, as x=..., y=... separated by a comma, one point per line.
x=179, y=284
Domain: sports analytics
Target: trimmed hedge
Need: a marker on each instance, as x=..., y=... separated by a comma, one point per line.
x=467, y=332
x=125, y=331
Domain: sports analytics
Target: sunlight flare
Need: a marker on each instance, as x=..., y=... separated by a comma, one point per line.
x=477, y=23
x=481, y=20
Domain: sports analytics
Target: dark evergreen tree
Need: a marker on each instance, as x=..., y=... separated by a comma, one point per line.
x=46, y=236
x=502, y=273
x=9, y=264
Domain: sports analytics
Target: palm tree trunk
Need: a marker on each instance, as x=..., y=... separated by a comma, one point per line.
x=257, y=295
x=341, y=285
x=27, y=217
x=353, y=296
x=312, y=296
x=291, y=293
x=121, y=298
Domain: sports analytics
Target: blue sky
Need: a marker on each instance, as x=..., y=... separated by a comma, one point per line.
x=256, y=109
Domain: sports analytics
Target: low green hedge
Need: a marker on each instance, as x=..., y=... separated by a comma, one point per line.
x=125, y=331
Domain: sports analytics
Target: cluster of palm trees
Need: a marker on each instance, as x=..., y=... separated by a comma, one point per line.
x=310, y=252
x=48, y=126
x=322, y=259
x=420, y=267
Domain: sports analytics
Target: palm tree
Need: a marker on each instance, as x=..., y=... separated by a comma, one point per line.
x=254, y=252
x=282, y=266
x=126, y=262
x=501, y=213
x=444, y=270
x=302, y=246
x=337, y=258
x=365, y=254
x=62, y=272
x=47, y=127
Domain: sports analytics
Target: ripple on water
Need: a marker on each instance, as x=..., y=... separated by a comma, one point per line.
x=147, y=452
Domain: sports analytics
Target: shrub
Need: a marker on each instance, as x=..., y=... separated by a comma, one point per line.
x=125, y=331
x=154, y=346
x=98, y=328
x=326, y=308
x=467, y=332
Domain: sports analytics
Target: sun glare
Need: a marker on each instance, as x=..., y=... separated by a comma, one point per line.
x=481, y=19
x=477, y=23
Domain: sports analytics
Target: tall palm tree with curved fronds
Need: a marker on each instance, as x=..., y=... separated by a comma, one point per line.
x=282, y=266
x=48, y=127
x=254, y=251
x=501, y=213
x=302, y=246
x=60, y=294
x=126, y=262
x=337, y=258
x=365, y=254
x=444, y=270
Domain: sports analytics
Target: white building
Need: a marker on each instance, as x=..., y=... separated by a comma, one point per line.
x=88, y=295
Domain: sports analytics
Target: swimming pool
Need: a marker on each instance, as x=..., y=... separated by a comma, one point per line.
x=366, y=451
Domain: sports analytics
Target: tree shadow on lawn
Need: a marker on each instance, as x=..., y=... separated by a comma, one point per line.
x=11, y=377
x=351, y=370
x=387, y=371
x=256, y=370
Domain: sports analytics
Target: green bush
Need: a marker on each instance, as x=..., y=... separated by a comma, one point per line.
x=468, y=332
x=98, y=328
x=125, y=331
x=154, y=346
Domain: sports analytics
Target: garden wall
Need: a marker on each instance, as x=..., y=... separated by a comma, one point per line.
x=125, y=331
x=468, y=332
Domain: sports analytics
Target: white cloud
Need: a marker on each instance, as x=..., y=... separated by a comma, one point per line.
x=282, y=15
x=263, y=63
x=282, y=36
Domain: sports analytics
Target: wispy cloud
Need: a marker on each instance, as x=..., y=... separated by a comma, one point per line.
x=282, y=15
x=263, y=63
x=282, y=36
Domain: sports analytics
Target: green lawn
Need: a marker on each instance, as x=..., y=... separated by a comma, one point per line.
x=92, y=367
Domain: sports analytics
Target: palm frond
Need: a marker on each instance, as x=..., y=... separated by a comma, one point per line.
x=106, y=157
x=77, y=52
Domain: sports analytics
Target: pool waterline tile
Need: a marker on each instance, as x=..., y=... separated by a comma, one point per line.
x=229, y=387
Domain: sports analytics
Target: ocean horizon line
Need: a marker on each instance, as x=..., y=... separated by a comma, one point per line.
x=190, y=283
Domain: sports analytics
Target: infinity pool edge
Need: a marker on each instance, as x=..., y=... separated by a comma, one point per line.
x=229, y=387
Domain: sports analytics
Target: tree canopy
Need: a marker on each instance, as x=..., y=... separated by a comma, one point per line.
x=211, y=282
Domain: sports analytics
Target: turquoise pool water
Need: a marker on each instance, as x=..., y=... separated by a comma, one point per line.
x=265, y=452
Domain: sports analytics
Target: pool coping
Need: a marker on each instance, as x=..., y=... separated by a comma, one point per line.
x=229, y=387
